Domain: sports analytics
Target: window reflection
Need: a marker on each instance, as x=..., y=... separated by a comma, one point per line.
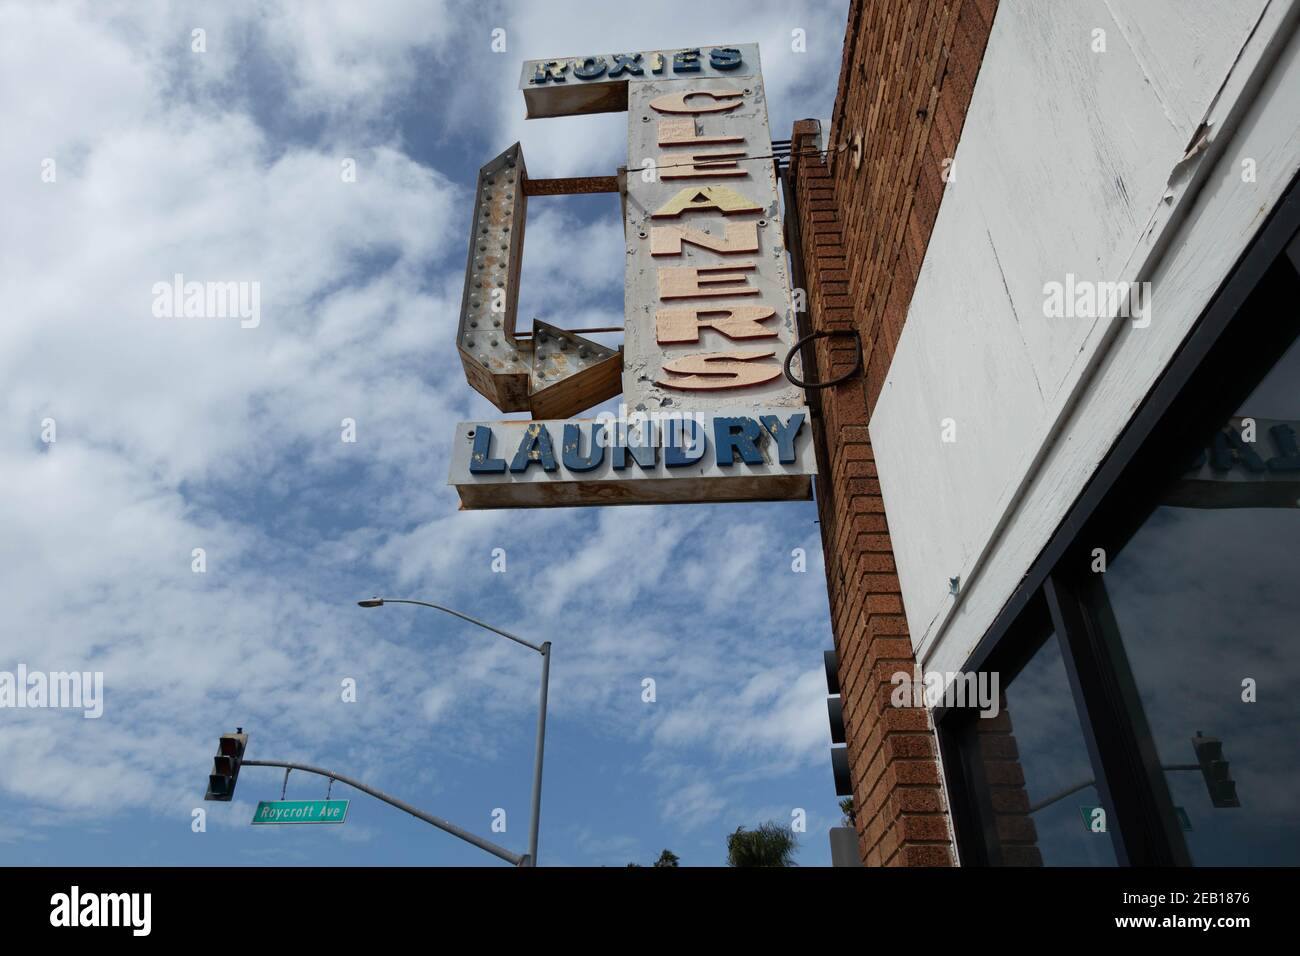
x=1039, y=800
x=1206, y=597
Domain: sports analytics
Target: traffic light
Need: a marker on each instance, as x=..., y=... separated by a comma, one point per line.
x=835, y=711
x=1209, y=754
x=225, y=765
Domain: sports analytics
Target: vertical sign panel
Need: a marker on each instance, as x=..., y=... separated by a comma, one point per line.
x=709, y=314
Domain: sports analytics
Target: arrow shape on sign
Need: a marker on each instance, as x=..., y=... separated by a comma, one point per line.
x=494, y=362
x=555, y=373
x=570, y=372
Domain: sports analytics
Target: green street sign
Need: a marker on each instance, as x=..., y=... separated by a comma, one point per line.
x=301, y=811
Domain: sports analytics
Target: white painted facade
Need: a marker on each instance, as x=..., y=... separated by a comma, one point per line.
x=1125, y=164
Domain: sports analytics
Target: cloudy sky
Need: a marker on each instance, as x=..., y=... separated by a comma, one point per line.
x=129, y=157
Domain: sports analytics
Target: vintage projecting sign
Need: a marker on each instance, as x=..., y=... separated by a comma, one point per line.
x=708, y=313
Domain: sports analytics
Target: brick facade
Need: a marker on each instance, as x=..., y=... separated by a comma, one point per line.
x=906, y=80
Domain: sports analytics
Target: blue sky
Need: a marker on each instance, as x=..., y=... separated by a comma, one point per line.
x=176, y=434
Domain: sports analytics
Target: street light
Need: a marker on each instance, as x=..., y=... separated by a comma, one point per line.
x=545, y=650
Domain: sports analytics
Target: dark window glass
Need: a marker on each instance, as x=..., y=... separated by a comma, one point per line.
x=1205, y=595
x=1071, y=825
x=1027, y=773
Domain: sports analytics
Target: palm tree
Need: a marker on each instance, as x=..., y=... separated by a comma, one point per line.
x=769, y=844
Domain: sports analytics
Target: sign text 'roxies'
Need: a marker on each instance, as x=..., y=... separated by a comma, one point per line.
x=598, y=83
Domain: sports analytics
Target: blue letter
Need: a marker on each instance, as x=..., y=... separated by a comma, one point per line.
x=784, y=436
x=643, y=454
x=535, y=446
x=686, y=61
x=728, y=441
x=595, y=454
x=480, y=460
x=678, y=454
x=626, y=63
x=724, y=58
x=589, y=67
x=1289, y=460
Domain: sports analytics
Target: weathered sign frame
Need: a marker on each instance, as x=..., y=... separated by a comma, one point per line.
x=709, y=313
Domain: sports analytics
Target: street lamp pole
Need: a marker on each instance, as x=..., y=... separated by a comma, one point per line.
x=543, y=649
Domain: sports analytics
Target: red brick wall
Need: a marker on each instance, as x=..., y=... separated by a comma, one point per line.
x=905, y=83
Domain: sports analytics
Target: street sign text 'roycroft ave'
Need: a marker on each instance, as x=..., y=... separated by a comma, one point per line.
x=301, y=811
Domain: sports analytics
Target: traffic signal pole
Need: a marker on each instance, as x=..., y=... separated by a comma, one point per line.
x=1048, y=801
x=230, y=753
x=514, y=859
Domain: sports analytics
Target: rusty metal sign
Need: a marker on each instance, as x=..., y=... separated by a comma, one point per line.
x=709, y=315
x=669, y=459
x=553, y=373
x=599, y=83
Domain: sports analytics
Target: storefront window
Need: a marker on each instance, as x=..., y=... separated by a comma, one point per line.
x=1205, y=596
x=1070, y=825
x=1173, y=589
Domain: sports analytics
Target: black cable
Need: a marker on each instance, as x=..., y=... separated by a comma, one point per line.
x=825, y=333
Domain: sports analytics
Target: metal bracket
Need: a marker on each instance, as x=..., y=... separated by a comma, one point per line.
x=824, y=333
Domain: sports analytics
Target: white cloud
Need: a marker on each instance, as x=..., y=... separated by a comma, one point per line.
x=353, y=56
